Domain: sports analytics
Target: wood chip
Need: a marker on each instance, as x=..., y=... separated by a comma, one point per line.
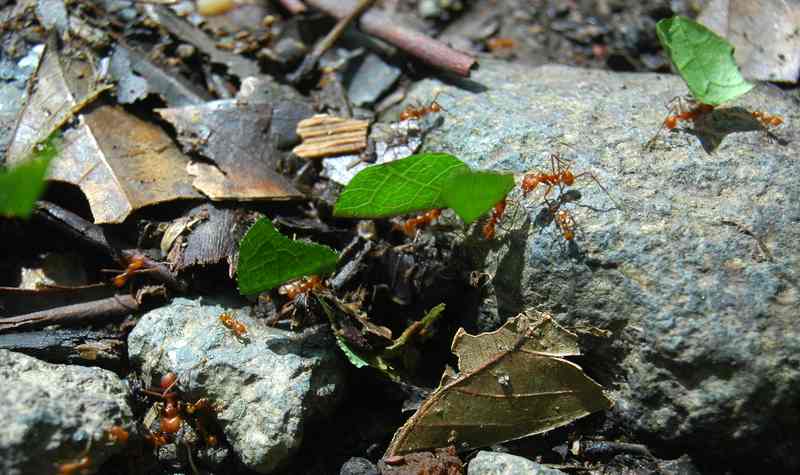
x=327, y=136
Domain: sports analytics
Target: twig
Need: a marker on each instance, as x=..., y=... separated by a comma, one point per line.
x=109, y=307
x=294, y=7
x=93, y=235
x=326, y=43
x=380, y=25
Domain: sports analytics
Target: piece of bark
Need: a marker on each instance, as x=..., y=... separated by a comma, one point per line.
x=327, y=136
x=116, y=306
x=211, y=241
x=69, y=346
x=236, y=136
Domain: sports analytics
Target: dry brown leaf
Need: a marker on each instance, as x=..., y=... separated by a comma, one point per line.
x=327, y=136
x=512, y=383
x=120, y=162
x=764, y=33
x=235, y=135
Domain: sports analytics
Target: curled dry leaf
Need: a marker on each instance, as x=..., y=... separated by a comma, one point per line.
x=511, y=383
x=120, y=162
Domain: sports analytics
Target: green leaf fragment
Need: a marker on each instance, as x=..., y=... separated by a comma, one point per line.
x=403, y=186
x=21, y=186
x=267, y=258
x=703, y=59
x=471, y=194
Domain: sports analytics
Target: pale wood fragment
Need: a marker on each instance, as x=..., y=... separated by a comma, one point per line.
x=327, y=136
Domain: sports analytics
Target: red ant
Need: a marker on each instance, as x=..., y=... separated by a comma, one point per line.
x=496, y=44
x=497, y=213
x=681, y=108
x=301, y=286
x=136, y=263
x=118, y=435
x=560, y=175
x=766, y=119
x=417, y=113
x=553, y=212
x=234, y=325
x=411, y=225
x=83, y=464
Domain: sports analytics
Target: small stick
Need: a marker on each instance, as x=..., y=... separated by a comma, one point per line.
x=92, y=234
x=326, y=43
x=382, y=26
x=294, y=7
x=109, y=307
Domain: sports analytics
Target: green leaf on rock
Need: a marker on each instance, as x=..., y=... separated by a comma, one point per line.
x=21, y=186
x=267, y=258
x=414, y=183
x=703, y=59
x=471, y=194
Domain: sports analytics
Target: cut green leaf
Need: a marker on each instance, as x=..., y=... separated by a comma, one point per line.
x=403, y=186
x=471, y=194
x=703, y=59
x=267, y=258
x=21, y=186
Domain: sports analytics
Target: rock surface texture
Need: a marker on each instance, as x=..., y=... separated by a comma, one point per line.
x=497, y=463
x=267, y=385
x=57, y=414
x=697, y=276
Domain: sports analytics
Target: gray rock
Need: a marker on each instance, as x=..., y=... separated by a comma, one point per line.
x=498, y=463
x=372, y=78
x=358, y=466
x=55, y=414
x=267, y=385
x=697, y=278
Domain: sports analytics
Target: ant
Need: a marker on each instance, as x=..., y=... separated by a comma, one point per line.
x=563, y=218
x=498, y=43
x=83, y=464
x=681, y=108
x=417, y=113
x=560, y=175
x=301, y=286
x=766, y=119
x=118, y=435
x=234, y=325
x=497, y=213
x=136, y=265
x=411, y=225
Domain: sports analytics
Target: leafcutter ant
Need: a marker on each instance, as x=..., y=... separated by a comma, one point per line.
x=497, y=213
x=411, y=225
x=767, y=119
x=301, y=286
x=237, y=327
x=419, y=112
x=560, y=175
x=681, y=108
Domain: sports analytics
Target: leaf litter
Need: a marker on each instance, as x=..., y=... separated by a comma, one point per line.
x=512, y=383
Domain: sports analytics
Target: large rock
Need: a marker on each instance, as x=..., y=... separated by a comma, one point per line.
x=58, y=414
x=268, y=385
x=697, y=277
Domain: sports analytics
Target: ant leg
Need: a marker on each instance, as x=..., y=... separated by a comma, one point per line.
x=594, y=178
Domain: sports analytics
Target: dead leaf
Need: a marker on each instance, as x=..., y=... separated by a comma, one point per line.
x=764, y=33
x=120, y=162
x=236, y=136
x=512, y=383
x=327, y=136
